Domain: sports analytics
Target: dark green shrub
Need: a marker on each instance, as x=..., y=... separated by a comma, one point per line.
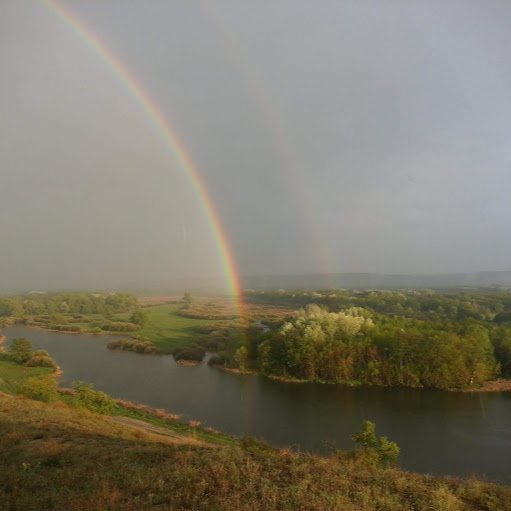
x=216, y=360
x=190, y=352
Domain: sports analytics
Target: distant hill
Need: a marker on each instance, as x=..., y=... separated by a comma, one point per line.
x=378, y=281
x=334, y=280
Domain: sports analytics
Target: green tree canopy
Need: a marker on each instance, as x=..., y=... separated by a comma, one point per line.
x=21, y=350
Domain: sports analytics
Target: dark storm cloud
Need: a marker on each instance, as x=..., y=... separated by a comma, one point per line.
x=374, y=132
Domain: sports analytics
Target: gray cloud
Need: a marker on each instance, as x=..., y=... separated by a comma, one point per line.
x=375, y=133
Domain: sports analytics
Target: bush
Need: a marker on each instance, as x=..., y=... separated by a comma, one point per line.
x=139, y=317
x=374, y=451
x=41, y=358
x=216, y=360
x=58, y=319
x=190, y=352
x=93, y=400
x=67, y=328
x=21, y=350
x=137, y=346
x=41, y=388
x=120, y=326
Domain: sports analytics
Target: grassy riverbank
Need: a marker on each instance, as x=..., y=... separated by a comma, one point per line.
x=12, y=375
x=164, y=327
x=53, y=456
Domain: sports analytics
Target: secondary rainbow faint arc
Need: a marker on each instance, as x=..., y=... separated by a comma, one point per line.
x=169, y=135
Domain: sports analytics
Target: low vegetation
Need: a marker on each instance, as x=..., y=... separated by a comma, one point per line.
x=84, y=396
x=191, y=352
x=138, y=346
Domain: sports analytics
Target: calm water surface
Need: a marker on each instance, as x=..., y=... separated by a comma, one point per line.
x=438, y=432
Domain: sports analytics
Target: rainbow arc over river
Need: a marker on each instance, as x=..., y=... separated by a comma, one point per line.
x=170, y=137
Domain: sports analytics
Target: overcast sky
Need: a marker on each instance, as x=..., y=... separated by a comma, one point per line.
x=333, y=136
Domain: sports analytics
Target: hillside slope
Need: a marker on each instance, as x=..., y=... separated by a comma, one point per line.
x=56, y=457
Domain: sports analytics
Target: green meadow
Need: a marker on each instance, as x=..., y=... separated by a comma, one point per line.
x=166, y=329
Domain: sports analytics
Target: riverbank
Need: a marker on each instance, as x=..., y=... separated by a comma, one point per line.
x=489, y=386
x=56, y=457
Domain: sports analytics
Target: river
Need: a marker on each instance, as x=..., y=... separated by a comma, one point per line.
x=438, y=432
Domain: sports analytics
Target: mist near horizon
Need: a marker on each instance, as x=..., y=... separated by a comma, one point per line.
x=332, y=138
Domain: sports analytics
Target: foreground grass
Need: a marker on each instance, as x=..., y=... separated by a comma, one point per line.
x=56, y=457
x=160, y=419
x=53, y=456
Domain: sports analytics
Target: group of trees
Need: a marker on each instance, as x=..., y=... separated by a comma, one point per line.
x=66, y=303
x=21, y=352
x=356, y=346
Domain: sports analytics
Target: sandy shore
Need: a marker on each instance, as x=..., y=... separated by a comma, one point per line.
x=490, y=386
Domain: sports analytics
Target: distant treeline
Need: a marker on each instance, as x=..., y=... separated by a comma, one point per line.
x=419, y=304
x=73, y=303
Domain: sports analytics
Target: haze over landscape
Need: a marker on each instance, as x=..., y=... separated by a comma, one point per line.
x=255, y=255
x=331, y=137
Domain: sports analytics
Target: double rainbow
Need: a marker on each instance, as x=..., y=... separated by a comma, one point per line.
x=170, y=137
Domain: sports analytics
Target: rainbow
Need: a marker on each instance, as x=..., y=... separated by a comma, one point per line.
x=170, y=137
x=255, y=84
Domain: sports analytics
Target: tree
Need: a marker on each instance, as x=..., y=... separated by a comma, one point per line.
x=108, y=312
x=241, y=358
x=21, y=350
x=11, y=307
x=375, y=449
x=139, y=317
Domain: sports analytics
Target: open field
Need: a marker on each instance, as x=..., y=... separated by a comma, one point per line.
x=166, y=329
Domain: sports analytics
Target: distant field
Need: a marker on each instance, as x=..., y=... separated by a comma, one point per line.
x=166, y=329
x=169, y=330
